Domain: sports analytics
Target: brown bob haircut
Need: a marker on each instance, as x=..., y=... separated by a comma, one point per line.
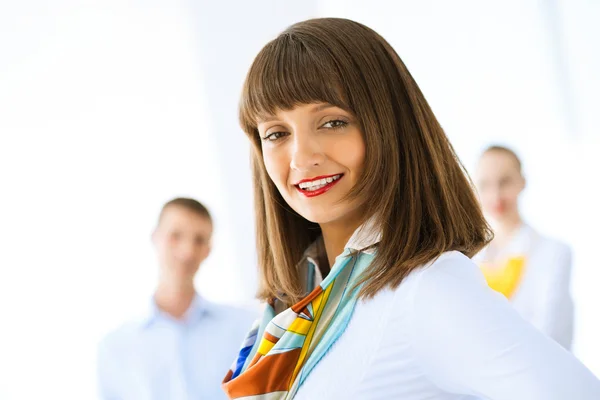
x=412, y=184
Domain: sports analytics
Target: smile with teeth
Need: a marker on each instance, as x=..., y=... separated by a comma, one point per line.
x=317, y=184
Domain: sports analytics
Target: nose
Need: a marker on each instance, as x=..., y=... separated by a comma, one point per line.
x=494, y=197
x=496, y=193
x=306, y=151
x=186, y=250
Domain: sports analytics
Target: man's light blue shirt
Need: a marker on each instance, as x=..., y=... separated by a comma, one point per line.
x=160, y=358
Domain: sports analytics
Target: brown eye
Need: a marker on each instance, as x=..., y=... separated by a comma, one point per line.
x=334, y=124
x=274, y=136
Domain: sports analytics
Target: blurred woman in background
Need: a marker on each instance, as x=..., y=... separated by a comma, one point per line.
x=532, y=271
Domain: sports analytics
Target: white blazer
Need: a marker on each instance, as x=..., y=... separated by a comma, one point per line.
x=543, y=296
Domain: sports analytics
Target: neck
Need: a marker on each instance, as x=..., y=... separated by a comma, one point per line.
x=505, y=229
x=174, y=298
x=335, y=236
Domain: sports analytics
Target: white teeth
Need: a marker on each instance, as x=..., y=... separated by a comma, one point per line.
x=316, y=187
x=319, y=183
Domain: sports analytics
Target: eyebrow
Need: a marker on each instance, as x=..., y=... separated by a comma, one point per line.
x=322, y=107
x=266, y=118
x=317, y=108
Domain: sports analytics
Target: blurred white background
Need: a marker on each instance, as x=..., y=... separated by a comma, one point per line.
x=108, y=109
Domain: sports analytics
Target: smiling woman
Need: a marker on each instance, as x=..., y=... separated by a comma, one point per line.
x=366, y=222
x=336, y=95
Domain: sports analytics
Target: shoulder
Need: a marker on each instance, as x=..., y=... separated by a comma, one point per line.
x=120, y=337
x=550, y=246
x=117, y=342
x=450, y=271
x=439, y=293
x=551, y=257
x=452, y=264
x=230, y=314
x=228, y=310
x=553, y=247
x=448, y=290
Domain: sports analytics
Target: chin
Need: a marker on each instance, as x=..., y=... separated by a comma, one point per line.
x=319, y=217
x=328, y=212
x=312, y=212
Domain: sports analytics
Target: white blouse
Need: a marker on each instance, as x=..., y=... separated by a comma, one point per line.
x=443, y=334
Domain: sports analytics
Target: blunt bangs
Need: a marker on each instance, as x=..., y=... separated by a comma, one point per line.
x=289, y=71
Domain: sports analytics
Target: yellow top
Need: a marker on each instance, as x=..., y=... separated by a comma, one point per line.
x=505, y=279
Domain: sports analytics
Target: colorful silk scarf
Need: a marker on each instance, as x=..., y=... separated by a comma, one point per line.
x=281, y=350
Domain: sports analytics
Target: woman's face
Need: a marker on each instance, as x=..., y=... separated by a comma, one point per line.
x=499, y=183
x=314, y=154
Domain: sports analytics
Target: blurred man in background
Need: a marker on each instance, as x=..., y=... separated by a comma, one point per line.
x=531, y=270
x=184, y=344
